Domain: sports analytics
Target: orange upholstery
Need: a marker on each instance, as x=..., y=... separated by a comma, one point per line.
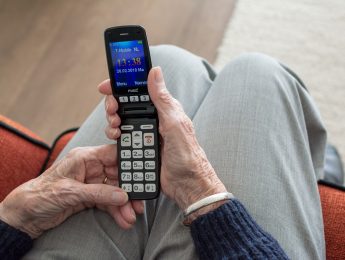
x=333, y=210
x=58, y=146
x=23, y=155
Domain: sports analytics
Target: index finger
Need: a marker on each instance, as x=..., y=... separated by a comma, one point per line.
x=105, y=87
x=106, y=154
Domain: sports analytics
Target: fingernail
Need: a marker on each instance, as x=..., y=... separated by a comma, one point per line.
x=120, y=197
x=133, y=214
x=142, y=207
x=158, y=75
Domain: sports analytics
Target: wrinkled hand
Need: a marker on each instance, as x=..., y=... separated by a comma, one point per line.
x=186, y=174
x=69, y=186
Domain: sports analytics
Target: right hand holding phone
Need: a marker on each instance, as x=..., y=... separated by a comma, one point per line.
x=186, y=174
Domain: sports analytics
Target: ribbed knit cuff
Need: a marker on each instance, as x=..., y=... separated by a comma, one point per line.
x=229, y=232
x=13, y=242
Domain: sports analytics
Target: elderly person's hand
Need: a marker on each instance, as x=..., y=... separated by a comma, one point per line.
x=186, y=174
x=69, y=186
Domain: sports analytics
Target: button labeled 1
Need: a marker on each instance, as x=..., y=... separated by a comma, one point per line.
x=126, y=154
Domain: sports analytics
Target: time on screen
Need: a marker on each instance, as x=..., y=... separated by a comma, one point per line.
x=129, y=63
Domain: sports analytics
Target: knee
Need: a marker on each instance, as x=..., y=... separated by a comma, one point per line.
x=259, y=72
x=256, y=64
x=171, y=56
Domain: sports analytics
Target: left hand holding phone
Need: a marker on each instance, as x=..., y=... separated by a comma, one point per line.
x=72, y=184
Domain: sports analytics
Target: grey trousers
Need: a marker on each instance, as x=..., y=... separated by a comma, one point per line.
x=263, y=135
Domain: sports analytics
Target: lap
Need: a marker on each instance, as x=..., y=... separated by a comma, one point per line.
x=261, y=132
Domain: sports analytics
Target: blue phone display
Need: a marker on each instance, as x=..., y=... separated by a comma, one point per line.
x=129, y=64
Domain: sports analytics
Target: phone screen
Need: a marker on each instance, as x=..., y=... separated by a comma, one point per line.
x=130, y=68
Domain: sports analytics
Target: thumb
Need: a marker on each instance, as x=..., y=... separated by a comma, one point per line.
x=159, y=94
x=102, y=194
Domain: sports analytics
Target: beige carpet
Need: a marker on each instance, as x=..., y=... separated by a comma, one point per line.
x=306, y=35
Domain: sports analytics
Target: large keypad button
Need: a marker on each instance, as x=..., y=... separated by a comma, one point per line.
x=127, y=187
x=138, y=187
x=125, y=140
x=146, y=127
x=150, y=187
x=149, y=153
x=127, y=127
x=150, y=176
x=137, y=154
x=134, y=98
x=137, y=137
x=137, y=165
x=144, y=98
x=126, y=154
x=150, y=165
x=126, y=165
x=123, y=99
x=148, y=139
x=138, y=176
x=126, y=176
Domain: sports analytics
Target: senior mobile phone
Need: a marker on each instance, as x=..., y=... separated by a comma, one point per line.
x=129, y=62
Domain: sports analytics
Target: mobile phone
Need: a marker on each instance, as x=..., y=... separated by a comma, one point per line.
x=129, y=62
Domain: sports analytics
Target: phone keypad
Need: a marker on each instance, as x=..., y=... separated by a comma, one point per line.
x=138, y=160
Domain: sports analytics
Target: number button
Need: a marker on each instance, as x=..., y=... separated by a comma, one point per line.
x=144, y=98
x=138, y=187
x=138, y=176
x=137, y=165
x=150, y=165
x=134, y=98
x=149, y=153
x=137, y=139
x=123, y=99
x=150, y=176
x=150, y=187
x=148, y=139
x=126, y=165
x=127, y=187
x=126, y=154
x=137, y=153
x=126, y=176
x=126, y=140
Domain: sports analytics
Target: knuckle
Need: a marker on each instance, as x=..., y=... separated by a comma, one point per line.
x=186, y=124
x=165, y=97
x=115, y=121
x=77, y=152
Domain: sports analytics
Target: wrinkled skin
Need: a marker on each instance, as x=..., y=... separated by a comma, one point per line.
x=69, y=186
x=186, y=174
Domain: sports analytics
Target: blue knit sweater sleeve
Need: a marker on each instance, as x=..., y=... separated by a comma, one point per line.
x=13, y=242
x=229, y=232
